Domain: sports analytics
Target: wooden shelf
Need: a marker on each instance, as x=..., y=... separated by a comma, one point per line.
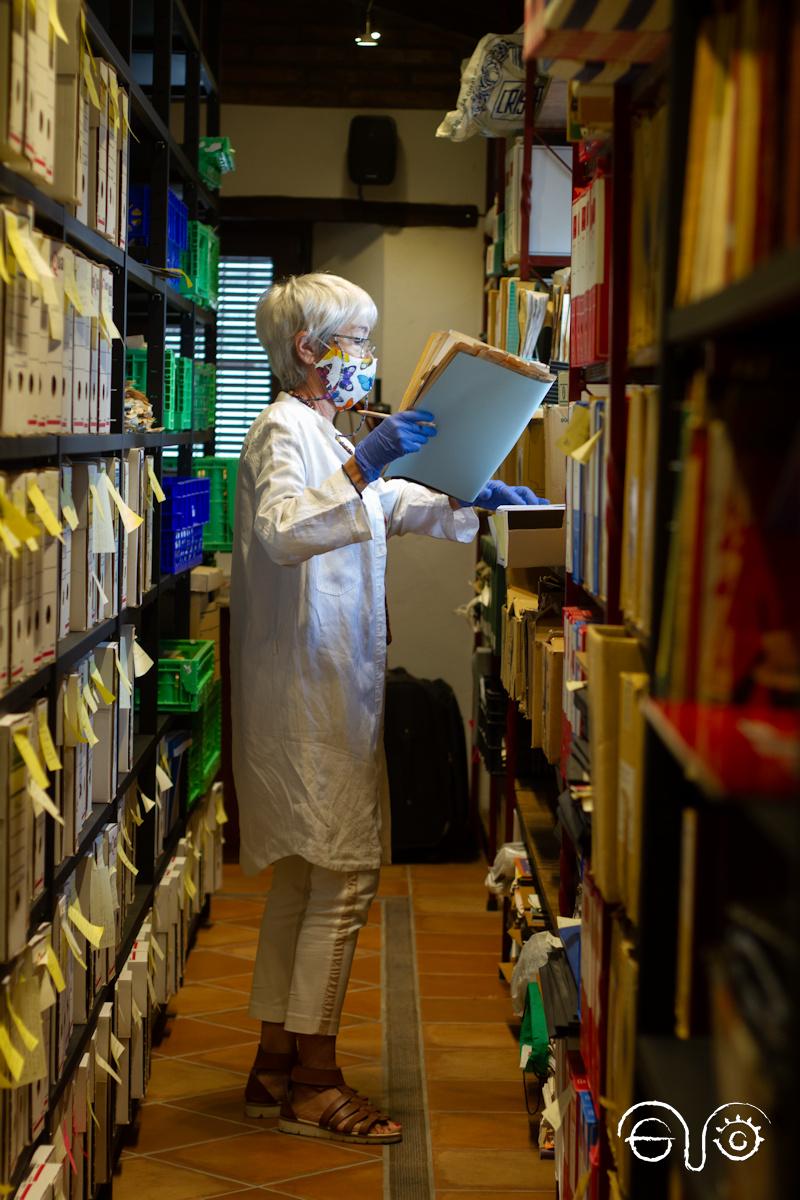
x=537, y=825
x=773, y=287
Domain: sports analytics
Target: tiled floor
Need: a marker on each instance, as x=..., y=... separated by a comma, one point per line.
x=194, y=1140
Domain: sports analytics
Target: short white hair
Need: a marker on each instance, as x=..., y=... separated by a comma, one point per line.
x=319, y=303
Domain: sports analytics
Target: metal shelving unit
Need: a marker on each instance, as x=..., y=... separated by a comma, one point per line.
x=142, y=298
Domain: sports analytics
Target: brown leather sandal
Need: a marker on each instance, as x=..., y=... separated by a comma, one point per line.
x=349, y=1117
x=258, y=1099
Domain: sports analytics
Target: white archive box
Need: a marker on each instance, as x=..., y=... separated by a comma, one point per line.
x=124, y=144
x=40, y=88
x=112, y=150
x=70, y=175
x=52, y=386
x=45, y=485
x=20, y=349
x=15, y=838
x=81, y=346
x=529, y=535
x=65, y=562
x=13, y=17
x=104, y=778
x=125, y=698
x=98, y=154
x=39, y=824
x=23, y=597
x=94, y=350
x=105, y=306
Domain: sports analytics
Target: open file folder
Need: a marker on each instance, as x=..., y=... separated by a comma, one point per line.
x=482, y=399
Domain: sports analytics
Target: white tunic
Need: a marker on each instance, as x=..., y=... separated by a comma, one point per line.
x=308, y=639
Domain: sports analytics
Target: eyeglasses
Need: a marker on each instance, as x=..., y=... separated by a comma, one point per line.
x=357, y=345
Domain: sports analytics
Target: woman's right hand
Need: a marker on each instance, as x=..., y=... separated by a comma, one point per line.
x=400, y=434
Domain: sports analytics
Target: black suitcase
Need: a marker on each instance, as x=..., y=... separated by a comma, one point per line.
x=426, y=759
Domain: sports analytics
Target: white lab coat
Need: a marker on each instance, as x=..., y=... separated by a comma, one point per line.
x=308, y=640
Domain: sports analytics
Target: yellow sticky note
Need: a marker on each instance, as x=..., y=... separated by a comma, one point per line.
x=137, y=816
x=222, y=816
x=97, y=679
x=89, y=699
x=73, y=945
x=142, y=662
x=578, y=430
x=31, y=759
x=43, y=510
x=29, y=1040
x=68, y=510
x=126, y=837
x=117, y=1048
x=146, y=801
x=71, y=284
x=188, y=883
x=4, y=275
x=54, y=967
x=42, y=801
x=20, y=245
x=123, y=674
x=107, y=1067
x=10, y=540
x=89, y=79
x=151, y=987
x=113, y=101
x=18, y=522
x=126, y=862
x=10, y=1053
x=107, y=326
x=92, y=1113
x=136, y=1013
x=46, y=743
x=93, y=933
x=159, y=953
x=158, y=491
x=130, y=519
x=55, y=23
x=86, y=725
x=584, y=453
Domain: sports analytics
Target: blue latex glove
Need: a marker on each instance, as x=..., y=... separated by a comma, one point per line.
x=400, y=434
x=497, y=493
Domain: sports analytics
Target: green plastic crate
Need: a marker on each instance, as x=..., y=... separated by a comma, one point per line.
x=185, y=674
x=205, y=395
x=184, y=372
x=169, y=412
x=201, y=264
x=218, y=533
x=136, y=368
x=213, y=268
x=205, y=752
x=215, y=159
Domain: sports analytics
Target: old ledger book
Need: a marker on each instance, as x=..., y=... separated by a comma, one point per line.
x=482, y=399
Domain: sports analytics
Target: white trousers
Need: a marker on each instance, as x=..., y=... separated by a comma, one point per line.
x=306, y=945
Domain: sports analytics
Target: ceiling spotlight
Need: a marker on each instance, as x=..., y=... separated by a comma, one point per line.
x=370, y=36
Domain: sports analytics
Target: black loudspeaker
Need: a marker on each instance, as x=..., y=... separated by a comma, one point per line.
x=372, y=150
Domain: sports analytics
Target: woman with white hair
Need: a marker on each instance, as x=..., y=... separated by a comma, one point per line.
x=308, y=659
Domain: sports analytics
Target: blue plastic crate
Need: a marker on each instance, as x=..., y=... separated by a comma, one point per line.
x=139, y=215
x=188, y=501
x=181, y=549
x=177, y=224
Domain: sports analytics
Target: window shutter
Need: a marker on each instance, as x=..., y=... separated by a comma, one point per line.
x=244, y=379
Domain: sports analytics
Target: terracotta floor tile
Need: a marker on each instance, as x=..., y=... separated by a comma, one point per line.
x=481, y=1131
x=432, y=963
x=392, y=887
x=464, y=987
x=459, y=927
x=469, y=943
x=234, y=1018
x=366, y=1003
x=234, y=880
x=228, y=908
x=472, y=1064
x=521, y=1169
x=229, y=933
x=370, y=937
x=367, y=970
x=449, y=901
x=475, y=1096
x=210, y=964
x=163, y=1127
x=188, y=1036
x=234, y=1058
x=174, y=1077
x=362, y=1039
x=361, y=1182
x=495, y=1009
x=146, y=1177
x=242, y=982
x=228, y=1105
x=262, y=1160
x=438, y=871
x=194, y=998
x=462, y=1034
x=248, y=951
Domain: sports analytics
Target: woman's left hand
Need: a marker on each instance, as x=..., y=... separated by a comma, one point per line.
x=497, y=493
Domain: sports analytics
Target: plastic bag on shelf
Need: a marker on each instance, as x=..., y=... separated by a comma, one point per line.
x=533, y=956
x=501, y=872
x=491, y=99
